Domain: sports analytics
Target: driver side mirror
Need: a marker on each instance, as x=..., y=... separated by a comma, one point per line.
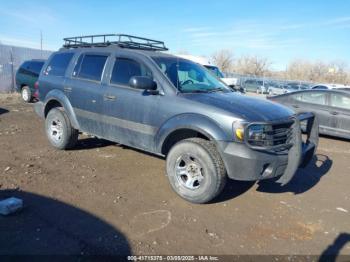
x=143, y=83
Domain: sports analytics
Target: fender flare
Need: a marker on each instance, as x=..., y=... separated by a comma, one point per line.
x=196, y=122
x=60, y=97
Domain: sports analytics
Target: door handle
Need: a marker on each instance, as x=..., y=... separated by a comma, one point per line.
x=109, y=97
x=333, y=113
x=67, y=89
x=295, y=106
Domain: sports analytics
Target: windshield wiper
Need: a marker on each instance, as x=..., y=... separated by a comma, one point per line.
x=220, y=89
x=198, y=91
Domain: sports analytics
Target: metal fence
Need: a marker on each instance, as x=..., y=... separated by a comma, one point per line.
x=11, y=57
x=242, y=78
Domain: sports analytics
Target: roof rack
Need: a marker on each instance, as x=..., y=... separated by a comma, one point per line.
x=121, y=40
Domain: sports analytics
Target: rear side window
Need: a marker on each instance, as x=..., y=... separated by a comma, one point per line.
x=90, y=67
x=58, y=64
x=124, y=69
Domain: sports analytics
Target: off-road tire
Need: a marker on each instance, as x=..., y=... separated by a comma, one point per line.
x=26, y=94
x=69, y=135
x=212, y=165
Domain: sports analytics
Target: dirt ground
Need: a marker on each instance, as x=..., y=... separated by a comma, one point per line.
x=103, y=198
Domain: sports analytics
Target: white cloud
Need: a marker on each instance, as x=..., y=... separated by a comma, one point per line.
x=196, y=29
x=257, y=35
x=33, y=17
x=8, y=40
x=24, y=42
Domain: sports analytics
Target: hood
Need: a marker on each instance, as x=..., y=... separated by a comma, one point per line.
x=245, y=107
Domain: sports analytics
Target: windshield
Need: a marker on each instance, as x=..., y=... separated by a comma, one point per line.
x=215, y=70
x=189, y=77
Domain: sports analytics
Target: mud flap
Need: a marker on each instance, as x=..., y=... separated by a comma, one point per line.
x=294, y=155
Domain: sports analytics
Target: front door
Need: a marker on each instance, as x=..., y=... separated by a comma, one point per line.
x=130, y=113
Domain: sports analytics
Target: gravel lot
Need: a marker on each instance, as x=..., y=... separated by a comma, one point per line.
x=103, y=198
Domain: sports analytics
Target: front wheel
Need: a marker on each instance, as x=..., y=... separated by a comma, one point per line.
x=195, y=170
x=59, y=130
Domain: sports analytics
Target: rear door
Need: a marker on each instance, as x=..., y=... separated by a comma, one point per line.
x=340, y=111
x=85, y=88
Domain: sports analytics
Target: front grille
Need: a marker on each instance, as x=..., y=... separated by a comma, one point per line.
x=276, y=137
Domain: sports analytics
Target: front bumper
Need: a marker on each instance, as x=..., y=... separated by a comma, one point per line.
x=250, y=164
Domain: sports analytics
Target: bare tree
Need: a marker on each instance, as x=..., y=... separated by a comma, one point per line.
x=319, y=71
x=252, y=65
x=223, y=59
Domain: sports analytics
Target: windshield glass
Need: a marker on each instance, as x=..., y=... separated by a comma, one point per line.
x=189, y=77
x=215, y=70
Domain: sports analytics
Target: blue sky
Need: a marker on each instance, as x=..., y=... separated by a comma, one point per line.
x=279, y=30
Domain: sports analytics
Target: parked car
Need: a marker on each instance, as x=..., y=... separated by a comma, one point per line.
x=278, y=89
x=256, y=86
x=332, y=108
x=296, y=86
x=125, y=90
x=26, y=76
x=329, y=87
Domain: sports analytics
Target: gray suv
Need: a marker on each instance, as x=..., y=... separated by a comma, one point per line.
x=125, y=89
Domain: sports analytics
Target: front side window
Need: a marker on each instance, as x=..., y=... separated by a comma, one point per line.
x=58, y=64
x=90, y=67
x=341, y=101
x=312, y=97
x=124, y=69
x=189, y=77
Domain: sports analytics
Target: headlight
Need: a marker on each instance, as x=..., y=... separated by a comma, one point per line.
x=258, y=135
x=238, y=130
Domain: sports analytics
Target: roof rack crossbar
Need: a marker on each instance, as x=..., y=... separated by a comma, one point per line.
x=121, y=40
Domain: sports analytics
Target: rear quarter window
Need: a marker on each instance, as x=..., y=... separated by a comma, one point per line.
x=341, y=101
x=31, y=68
x=58, y=64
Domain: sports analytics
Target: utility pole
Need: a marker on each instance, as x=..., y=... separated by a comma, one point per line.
x=12, y=71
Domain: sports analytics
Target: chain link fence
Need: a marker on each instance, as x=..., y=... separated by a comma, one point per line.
x=11, y=57
x=241, y=79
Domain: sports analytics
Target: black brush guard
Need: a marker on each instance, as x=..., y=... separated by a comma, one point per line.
x=301, y=152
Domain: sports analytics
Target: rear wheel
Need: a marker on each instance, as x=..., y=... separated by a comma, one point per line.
x=26, y=94
x=195, y=170
x=59, y=130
